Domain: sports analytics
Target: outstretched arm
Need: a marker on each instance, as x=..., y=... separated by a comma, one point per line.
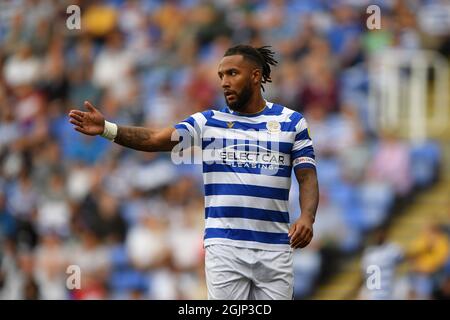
x=145, y=139
x=301, y=231
x=92, y=122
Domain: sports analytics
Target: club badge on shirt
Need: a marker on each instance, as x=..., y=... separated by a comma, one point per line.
x=273, y=126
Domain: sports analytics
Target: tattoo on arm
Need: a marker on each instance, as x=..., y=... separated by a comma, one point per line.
x=309, y=192
x=137, y=138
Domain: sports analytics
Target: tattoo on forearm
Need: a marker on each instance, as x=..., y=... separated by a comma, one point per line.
x=134, y=137
x=309, y=194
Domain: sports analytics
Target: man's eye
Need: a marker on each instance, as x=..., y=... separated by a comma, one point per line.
x=233, y=73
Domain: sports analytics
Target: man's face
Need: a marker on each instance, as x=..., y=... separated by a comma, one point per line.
x=237, y=77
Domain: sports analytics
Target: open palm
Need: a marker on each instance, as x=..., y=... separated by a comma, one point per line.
x=91, y=122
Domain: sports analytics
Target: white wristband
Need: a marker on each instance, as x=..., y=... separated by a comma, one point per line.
x=110, y=131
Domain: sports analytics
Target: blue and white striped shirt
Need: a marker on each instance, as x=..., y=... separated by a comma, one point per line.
x=247, y=164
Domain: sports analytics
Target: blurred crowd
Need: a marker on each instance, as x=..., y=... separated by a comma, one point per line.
x=133, y=221
x=420, y=270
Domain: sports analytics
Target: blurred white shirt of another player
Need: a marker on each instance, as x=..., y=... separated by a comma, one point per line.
x=379, y=265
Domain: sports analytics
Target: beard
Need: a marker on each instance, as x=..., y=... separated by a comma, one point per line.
x=241, y=100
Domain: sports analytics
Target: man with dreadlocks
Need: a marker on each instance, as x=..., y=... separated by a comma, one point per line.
x=249, y=149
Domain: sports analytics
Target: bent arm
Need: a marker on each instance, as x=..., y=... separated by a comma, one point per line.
x=145, y=139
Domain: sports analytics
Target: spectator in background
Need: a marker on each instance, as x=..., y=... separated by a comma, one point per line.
x=17, y=273
x=162, y=107
x=100, y=19
x=8, y=224
x=9, y=129
x=53, y=209
x=51, y=264
x=93, y=258
x=113, y=66
x=146, y=244
x=319, y=90
x=22, y=199
x=390, y=164
x=149, y=251
x=442, y=292
x=379, y=263
x=22, y=68
x=429, y=252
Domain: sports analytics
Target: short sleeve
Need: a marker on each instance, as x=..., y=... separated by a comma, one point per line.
x=302, y=154
x=191, y=128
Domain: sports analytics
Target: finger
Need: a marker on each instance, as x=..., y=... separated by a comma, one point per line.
x=76, y=117
x=303, y=238
x=89, y=106
x=300, y=243
x=77, y=112
x=79, y=129
x=296, y=244
x=76, y=123
x=297, y=234
x=292, y=230
x=305, y=241
x=304, y=232
x=303, y=244
x=296, y=239
x=82, y=130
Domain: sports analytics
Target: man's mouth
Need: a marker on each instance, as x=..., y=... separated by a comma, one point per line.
x=229, y=95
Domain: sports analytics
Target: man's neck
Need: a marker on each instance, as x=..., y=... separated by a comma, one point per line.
x=254, y=106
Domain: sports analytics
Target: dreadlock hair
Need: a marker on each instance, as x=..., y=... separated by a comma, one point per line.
x=262, y=56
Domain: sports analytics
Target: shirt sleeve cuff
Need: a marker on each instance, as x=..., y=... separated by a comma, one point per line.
x=304, y=162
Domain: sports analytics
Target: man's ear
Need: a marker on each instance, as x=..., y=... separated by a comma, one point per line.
x=256, y=76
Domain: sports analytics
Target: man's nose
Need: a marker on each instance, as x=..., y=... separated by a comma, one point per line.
x=225, y=83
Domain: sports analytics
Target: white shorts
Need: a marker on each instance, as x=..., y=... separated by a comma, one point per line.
x=234, y=273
